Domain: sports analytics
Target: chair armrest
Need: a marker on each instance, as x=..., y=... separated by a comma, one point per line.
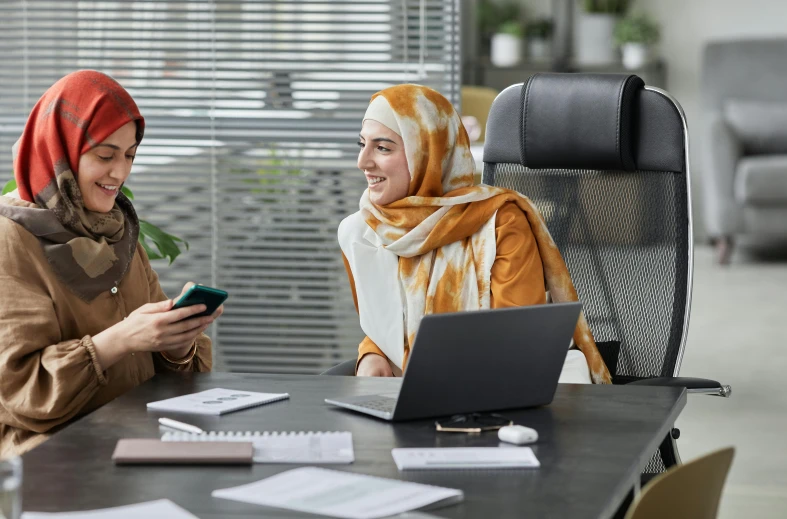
x=345, y=369
x=692, y=385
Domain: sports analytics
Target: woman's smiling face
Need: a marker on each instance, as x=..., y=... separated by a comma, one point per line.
x=104, y=168
x=384, y=163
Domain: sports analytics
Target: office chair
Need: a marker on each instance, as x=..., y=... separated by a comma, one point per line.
x=343, y=369
x=690, y=491
x=606, y=161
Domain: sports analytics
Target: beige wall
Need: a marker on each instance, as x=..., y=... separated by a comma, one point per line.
x=686, y=26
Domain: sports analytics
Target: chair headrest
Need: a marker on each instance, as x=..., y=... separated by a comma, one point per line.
x=580, y=121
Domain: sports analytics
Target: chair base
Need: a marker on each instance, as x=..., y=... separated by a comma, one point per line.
x=669, y=449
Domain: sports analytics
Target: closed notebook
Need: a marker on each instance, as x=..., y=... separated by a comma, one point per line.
x=151, y=451
x=216, y=401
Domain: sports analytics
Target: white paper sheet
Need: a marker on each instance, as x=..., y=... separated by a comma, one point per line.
x=216, y=401
x=160, y=509
x=339, y=494
x=294, y=447
x=465, y=458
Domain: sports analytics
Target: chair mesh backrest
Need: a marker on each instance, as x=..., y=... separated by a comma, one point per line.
x=624, y=238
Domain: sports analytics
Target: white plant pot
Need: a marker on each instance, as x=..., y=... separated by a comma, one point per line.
x=593, y=44
x=635, y=55
x=538, y=48
x=506, y=50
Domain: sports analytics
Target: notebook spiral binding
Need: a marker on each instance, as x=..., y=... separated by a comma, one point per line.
x=240, y=435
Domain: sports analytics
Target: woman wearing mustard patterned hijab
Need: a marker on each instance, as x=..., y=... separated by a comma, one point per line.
x=426, y=240
x=82, y=316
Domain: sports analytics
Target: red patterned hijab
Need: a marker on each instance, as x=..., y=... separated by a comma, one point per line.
x=90, y=252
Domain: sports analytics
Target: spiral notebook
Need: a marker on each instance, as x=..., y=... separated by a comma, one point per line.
x=282, y=447
x=216, y=401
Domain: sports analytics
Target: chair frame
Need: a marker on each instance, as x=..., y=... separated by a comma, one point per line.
x=690, y=230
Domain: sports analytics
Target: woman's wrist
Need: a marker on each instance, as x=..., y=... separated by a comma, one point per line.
x=180, y=356
x=180, y=353
x=110, y=346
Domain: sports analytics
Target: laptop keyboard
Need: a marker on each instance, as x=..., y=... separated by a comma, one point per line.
x=384, y=404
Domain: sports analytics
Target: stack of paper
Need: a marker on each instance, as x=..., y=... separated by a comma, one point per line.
x=340, y=494
x=161, y=509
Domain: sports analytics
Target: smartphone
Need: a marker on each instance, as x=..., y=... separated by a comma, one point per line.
x=202, y=295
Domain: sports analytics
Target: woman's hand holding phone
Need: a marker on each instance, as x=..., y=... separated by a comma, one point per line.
x=188, y=289
x=154, y=327
x=157, y=327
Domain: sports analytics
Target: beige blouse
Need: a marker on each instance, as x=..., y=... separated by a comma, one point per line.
x=50, y=374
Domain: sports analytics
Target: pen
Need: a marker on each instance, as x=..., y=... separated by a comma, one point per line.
x=180, y=426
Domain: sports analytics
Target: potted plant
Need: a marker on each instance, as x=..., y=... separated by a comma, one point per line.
x=539, y=34
x=595, y=25
x=491, y=15
x=507, y=44
x=634, y=35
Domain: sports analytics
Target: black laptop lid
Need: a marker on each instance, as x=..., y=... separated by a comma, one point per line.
x=486, y=360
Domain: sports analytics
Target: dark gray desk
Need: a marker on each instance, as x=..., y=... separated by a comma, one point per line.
x=593, y=443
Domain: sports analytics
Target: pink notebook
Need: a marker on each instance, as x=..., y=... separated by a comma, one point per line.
x=151, y=451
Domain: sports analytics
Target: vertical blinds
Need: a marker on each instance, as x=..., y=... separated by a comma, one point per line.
x=253, y=110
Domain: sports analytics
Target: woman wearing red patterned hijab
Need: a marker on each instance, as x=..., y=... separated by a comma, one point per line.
x=82, y=315
x=98, y=224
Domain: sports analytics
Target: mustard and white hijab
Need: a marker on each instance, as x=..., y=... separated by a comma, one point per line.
x=433, y=251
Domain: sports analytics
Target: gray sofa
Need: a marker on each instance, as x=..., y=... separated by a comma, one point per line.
x=744, y=140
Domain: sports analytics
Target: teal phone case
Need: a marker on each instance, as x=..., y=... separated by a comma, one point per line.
x=202, y=295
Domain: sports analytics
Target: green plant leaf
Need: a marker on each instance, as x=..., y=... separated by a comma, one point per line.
x=126, y=191
x=512, y=27
x=166, y=245
x=540, y=28
x=151, y=252
x=636, y=29
x=616, y=7
x=491, y=14
x=9, y=186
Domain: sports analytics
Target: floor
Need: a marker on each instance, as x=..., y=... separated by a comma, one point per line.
x=738, y=317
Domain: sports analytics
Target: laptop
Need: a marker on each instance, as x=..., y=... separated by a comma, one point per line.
x=485, y=360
